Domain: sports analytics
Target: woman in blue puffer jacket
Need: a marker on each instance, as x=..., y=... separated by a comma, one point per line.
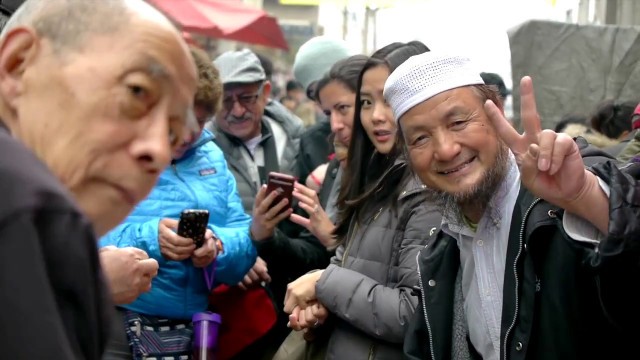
x=198, y=179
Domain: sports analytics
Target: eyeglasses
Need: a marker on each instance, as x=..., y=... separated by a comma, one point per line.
x=244, y=100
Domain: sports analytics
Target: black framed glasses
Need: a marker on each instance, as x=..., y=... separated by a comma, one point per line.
x=245, y=100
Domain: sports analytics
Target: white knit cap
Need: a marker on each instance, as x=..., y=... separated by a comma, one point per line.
x=426, y=75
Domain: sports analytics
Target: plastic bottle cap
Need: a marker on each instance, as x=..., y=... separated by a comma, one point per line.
x=207, y=316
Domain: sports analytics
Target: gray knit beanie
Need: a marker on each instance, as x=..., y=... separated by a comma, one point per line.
x=315, y=58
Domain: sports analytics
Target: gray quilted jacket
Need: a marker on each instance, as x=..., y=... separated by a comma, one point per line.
x=369, y=285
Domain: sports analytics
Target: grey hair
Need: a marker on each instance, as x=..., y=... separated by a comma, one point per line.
x=68, y=23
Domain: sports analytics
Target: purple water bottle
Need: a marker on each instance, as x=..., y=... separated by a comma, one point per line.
x=205, y=335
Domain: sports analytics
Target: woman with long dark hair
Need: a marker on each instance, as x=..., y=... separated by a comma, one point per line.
x=383, y=222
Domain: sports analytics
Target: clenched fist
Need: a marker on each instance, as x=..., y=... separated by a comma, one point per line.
x=129, y=272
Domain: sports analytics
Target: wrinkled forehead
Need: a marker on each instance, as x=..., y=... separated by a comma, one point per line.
x=454, y=103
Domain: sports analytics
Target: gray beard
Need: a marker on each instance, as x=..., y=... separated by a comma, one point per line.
x=451, y=205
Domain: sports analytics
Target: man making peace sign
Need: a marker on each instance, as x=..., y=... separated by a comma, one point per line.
x=537, y=256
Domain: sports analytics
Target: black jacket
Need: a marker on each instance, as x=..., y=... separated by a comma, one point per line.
x=563, y=299
x=315, y=149
x=54, y=303
x=290, y=253
x=293, y=250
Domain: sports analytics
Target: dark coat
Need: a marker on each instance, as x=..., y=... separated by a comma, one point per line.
x=315, y=149
x=563, y=299
x=54, y=302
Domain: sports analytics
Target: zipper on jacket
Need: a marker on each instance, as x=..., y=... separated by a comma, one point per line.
x=350, y=241
x=186, y=293
x=372, y=351
x=375, y=217
x=355, y=230
x=424, y=306
x=515, y=273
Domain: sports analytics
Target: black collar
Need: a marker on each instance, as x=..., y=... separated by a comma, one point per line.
x=8, y=7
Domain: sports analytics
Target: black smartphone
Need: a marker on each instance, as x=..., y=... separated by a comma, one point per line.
x=193, y=225
x=282, y=183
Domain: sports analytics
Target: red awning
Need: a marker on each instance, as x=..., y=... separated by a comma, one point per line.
x=225, y=19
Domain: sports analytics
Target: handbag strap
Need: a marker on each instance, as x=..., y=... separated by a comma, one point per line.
x=210, y=275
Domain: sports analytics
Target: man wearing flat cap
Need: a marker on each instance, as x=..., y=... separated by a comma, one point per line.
x=536, y=252
x=256, y=135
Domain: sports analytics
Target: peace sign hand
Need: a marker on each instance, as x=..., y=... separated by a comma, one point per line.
x=550, y=163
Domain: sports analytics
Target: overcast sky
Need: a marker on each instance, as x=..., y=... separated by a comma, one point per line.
x=477, y=26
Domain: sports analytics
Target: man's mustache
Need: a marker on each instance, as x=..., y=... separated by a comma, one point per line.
x=235, y=120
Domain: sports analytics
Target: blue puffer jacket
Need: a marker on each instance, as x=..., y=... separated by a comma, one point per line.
x=199, y=180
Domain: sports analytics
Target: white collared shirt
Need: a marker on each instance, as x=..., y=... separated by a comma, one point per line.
x=482, y=260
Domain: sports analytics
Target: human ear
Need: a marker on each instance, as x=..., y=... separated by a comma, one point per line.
x=17, y=51
x=266, y=89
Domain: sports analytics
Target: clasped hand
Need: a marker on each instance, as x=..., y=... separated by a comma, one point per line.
x=302, y=291
x=311, y=317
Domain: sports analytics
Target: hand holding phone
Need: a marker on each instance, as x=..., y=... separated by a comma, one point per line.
x=283, y=184
x=267, y=212
x=193, y=225
x=173, y=246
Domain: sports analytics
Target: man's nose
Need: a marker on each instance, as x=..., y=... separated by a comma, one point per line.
x=152, y=146
x=446, y=148
x=237, y=109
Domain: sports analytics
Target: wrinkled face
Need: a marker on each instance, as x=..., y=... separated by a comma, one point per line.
x=375, y=114
x=338, y=103
x=104, y=118
x=242, y=109
x=451, y=143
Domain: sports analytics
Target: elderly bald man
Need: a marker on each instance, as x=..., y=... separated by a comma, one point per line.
x=94, y=97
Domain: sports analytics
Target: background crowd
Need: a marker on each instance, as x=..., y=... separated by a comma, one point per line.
x=422, y=224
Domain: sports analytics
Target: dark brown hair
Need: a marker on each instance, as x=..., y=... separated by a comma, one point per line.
x=613, y=118
x=345, y=71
